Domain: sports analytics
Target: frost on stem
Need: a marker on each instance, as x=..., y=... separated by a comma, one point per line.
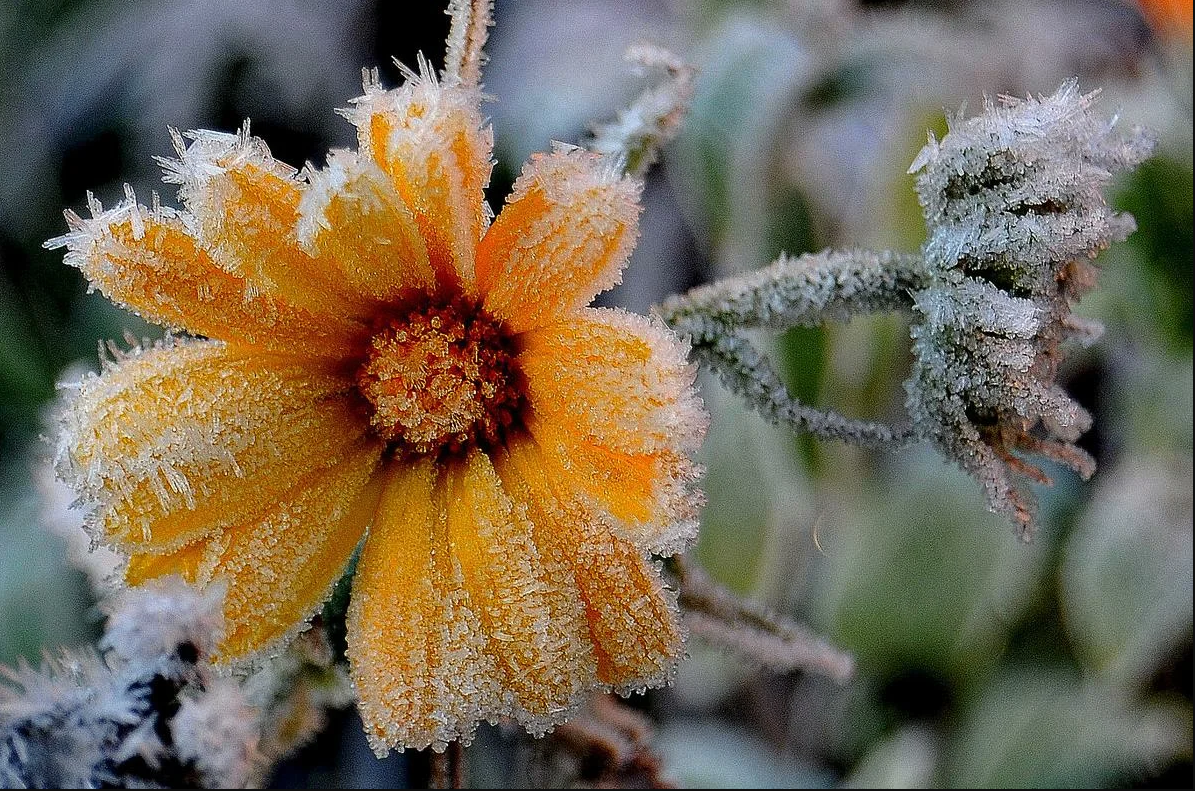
x=148, y=712
x=722, y=618
x=471, y=22
x=1014, y=204
x=144, y=713
x=803, y=291
x=655, y=117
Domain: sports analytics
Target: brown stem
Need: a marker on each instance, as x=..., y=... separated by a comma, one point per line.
x=456, y=764
x=447, y=769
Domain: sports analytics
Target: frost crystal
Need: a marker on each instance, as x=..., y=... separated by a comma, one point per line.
x=1014, y=203
x=146, y=713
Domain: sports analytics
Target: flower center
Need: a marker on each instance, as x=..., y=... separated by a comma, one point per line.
x=440, y=378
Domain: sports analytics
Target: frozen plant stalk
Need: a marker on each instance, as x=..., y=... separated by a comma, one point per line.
x=146, y=713
x=1014, y=204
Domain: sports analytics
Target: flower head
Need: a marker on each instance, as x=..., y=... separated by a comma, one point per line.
x=382, y=359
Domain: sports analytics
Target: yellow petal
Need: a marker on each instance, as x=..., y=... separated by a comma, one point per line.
x=430, y=139
x=565, y=235
x=651, y=496
x=529, y=609
x=613, y=406
x=186, y=562
x=244, y=211
x=279, y=567
x=176, y=442
x=353, y=218
x=616, y=378
x=147, y=261
x=632, y=617
x=415, y=645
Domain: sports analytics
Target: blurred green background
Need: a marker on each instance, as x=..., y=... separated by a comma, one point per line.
x=982, y=662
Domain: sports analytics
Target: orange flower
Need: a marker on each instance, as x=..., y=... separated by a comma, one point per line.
x=1168, y=17
x=386, y=364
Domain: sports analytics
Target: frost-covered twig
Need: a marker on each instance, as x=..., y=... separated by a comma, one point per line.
x=1015, y=208
x=144, y=713
x=147, y=711
x=804, y=291
x=471, y=22
x=751, y=630
x=655, y=116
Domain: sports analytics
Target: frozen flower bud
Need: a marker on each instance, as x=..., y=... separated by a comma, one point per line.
x=1014, y=202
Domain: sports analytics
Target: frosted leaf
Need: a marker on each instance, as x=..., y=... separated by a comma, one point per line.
x=146, y=714
x=293, y=692
x=217, y=732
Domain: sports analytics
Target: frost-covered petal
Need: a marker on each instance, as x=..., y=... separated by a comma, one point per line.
x=178, y=441
x=613, y=406
x=530, y=610
x=564, y=236
x=186, y=562
x=148, y=261
x=432, y=142
x=243, y=209
x=617, y=378
x=354, y=219
x=280, y=566
x=415, y=645
x=632, y=617
x=650, y=496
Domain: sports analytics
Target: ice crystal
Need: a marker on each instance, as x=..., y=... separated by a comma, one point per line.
x=145, y=713
x=1014, y=203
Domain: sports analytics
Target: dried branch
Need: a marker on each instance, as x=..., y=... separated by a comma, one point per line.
x=715, y=614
